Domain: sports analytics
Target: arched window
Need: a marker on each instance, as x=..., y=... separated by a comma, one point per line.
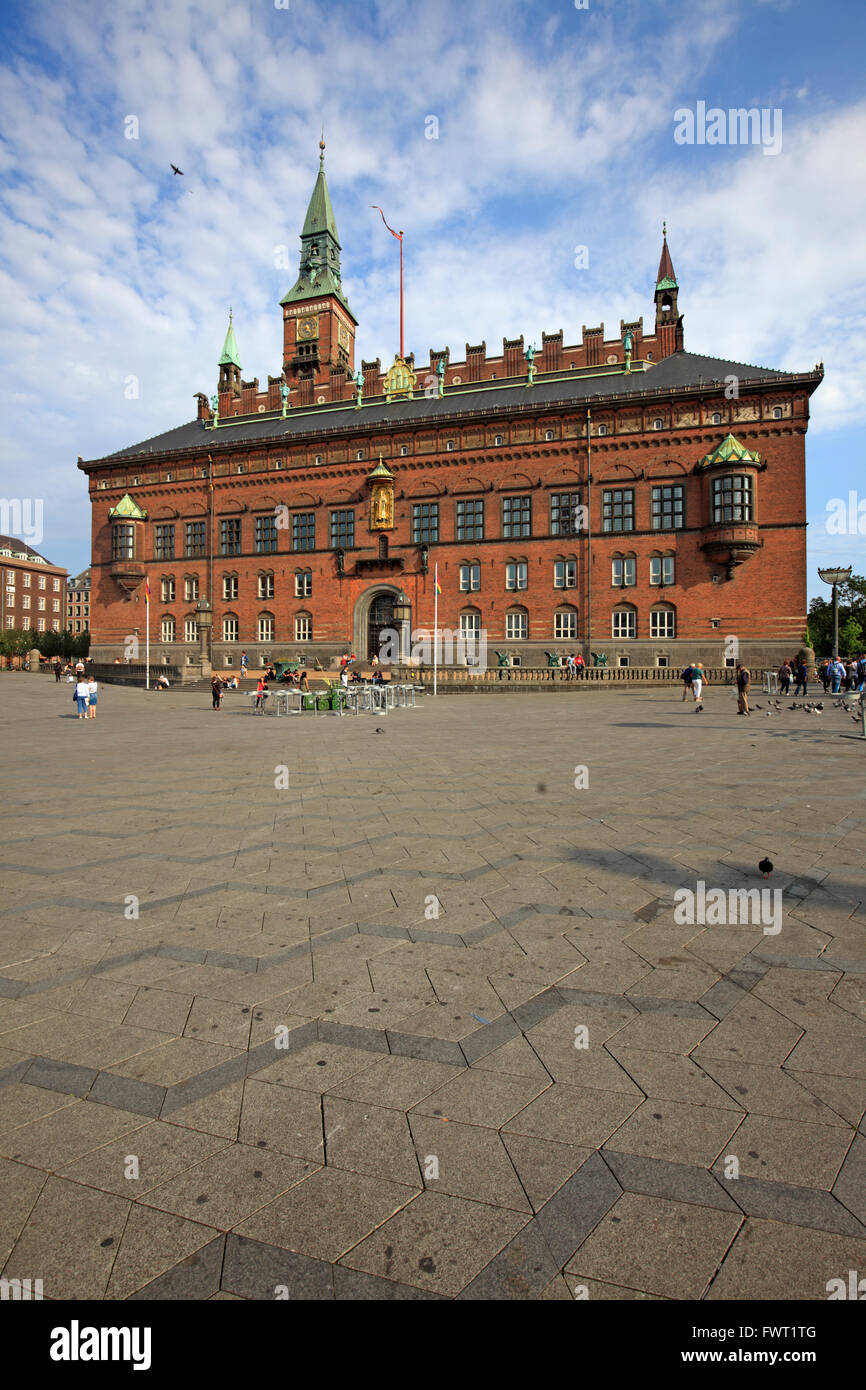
x=303, y=583
x=266, y=583
x=624, y=622
x=230, y=627
x=565, y=623
x=303, y=627
x=167, y=629
x=470, y=576
x=623, y=571
x=266, y=627
x=517, y=625
x=230, y=587
x=167, y=588
x=777, y=412
x=663, y=621
x=470, y=624
x=662, y=568
x=565, y=572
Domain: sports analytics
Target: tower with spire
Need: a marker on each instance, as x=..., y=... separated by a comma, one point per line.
x=669, y=324
x=318, y=325
x=230, y=363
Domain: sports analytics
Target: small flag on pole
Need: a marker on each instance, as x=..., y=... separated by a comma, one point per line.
x=436, y=584
x=147, y=588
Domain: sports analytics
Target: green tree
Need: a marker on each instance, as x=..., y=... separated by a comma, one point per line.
x=852, y=605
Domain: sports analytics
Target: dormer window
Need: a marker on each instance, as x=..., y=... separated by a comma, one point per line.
x=548, y=435
x=169, y=477
x=602, y=429
x=449, y=445
x=404, y=449
x=318, y=458
x=359, y=455
x=777, y=412
x=717, y=419
x=658, y=424
x=497, y=439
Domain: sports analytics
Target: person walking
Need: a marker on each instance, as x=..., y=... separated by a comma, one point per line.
x=81, y=698
x=861, y=672
x=801, y=677
x=785, y=674
x=216, y=690
x=243, y=666
x=92, y=697
x=744, y=681
x=57, y=671
x=262, y=693
x=697, y=686
x=687, y=681
x=824, y=673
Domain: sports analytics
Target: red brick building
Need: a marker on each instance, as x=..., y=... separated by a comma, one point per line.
x=34, y=590
x=616, y=495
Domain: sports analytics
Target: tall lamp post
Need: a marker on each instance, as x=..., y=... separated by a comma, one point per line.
x=835, y=577
x=401, y=612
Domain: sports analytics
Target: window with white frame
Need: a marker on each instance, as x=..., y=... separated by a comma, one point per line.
x=662, y=622
x=565, y=623
x=166, y=629
x=190, y=587
x=565, y=574
x=516, y=575
x=470, y=625
x=41, y=581
x=55, y=584
x=661, y=569
x=623, y=571
x=266, y=586
x=25, y=580
x=266, y=627
x=470, y=578
x=658, y=423
x=166, y=589
x=517, y=625
x=230, y=586
x=190, y=630
x=732, y=498
x=624, y=624
x=25, y=601
x=303, y=628
x=303, y=583
x=230, y=628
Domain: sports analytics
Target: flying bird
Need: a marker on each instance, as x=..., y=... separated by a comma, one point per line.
x=175, y=170
x=766, y=866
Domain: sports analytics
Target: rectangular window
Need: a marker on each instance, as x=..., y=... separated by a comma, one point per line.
x=266, y=586
x=304, y=584
x=230, y=586
x=565, y=574
x=230, y=629
x=623, y=571
x=55, y=584
x=303, y=628
x=565, y=514
x=662, y=569
x=25, y=602
x=194, y=537
x=304, y=531
x=10, y=620
x=42, y=576
x=230, y=536
x=166, y=590
x=342, y=530
x=624, y=623
x=425, y=522
x=732, y=498
x=163, y=547
x=266, y=535
x=55, y=626
x=470, y=626
x=470, y=519
x=617, y=509
x=122, y=546
x=55, y=605
x=40, y=626
x=266, y=629
x=42, y=605
x=166, y=630
x=662, y=622
x=667, y=508
x=190, y=587
x=190, y=630
x=516, y=627
x=470, y=579
x=516, y=517
x=516, y=575
x=565, y=624
x=25, y=580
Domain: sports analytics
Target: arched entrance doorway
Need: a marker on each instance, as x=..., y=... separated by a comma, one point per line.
x=373, y=616
x=381, y=618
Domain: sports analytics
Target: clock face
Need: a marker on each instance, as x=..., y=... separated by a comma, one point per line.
x=308, y=328
x=343, y=335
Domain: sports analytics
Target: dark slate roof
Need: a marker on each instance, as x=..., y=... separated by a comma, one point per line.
x=19, y=547
x=682, y=370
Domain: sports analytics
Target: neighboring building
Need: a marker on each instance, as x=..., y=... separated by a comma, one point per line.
x=294, y=518
x=33, y=588
x=78, y=603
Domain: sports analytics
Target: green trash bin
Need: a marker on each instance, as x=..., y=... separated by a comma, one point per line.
x=338, y=699
x=309, y=702
x=324, y=700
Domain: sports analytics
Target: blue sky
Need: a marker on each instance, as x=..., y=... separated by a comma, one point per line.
x=555, y=130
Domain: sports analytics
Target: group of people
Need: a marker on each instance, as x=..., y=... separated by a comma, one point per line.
x=86, y=696
x=793, y=670
x=693, y=683
x=837, y=675
x=575, y=666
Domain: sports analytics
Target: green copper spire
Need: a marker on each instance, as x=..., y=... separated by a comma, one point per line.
x=320, y=246
x=230, y=353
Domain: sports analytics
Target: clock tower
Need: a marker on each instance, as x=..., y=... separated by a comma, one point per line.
x=318, y=325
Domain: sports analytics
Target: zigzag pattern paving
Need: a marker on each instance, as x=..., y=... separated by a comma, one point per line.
x=321, y=1042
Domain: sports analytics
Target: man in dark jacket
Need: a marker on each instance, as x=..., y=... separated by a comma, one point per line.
x=744, y=681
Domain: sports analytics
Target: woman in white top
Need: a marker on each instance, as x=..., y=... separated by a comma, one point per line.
x=92, y=698
x=82, y=696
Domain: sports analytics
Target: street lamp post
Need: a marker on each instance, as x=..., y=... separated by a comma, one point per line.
x=401, y=612
x=835, y=577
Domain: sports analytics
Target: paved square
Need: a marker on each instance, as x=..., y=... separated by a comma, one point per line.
x=428, y=1022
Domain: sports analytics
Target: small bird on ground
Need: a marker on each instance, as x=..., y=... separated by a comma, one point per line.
x=766, y=866
x=380, y=731
x=175, y=170
x=757, y=706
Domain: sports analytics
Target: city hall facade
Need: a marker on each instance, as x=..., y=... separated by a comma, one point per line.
x=619, y=496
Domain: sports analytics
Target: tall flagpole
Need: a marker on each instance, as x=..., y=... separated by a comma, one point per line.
x=435, y=625
x=147, y=632
x=399, y=236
